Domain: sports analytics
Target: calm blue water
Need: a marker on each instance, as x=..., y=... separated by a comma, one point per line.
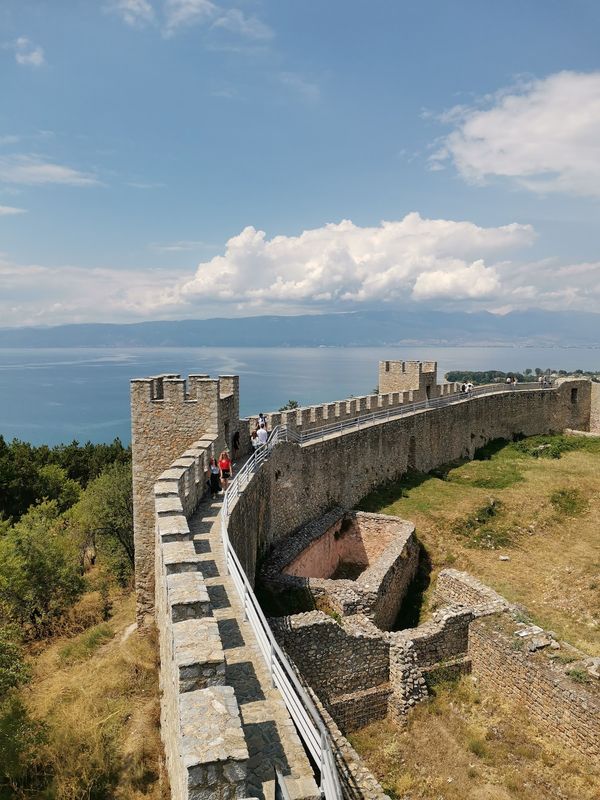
x=53, y=396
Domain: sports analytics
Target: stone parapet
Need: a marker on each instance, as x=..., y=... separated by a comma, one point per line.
x=205, y=749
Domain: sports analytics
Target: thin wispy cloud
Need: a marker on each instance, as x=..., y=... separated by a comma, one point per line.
x=185, y=13
x=27, y=54
x=180, y=247
x=542, y=134
x=235, y=21
x=8, y=211
x=31, y=170
x=308, y=90
x=135, y=13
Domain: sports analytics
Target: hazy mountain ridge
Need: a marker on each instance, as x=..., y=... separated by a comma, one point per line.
x=350, y=329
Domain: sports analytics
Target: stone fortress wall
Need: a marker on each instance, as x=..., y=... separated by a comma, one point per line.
x=400, y=383
x=176, y=426
x=299, y=484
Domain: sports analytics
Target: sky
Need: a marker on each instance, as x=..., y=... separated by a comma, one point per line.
x=172, y=159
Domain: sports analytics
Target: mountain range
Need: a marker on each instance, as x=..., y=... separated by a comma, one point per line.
x=347, y=329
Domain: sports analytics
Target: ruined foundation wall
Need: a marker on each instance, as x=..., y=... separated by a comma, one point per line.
x=570, y=711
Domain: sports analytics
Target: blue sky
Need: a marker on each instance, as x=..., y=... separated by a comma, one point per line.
x=146, y=144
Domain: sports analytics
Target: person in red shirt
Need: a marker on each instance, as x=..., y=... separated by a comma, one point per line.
x=225, y=466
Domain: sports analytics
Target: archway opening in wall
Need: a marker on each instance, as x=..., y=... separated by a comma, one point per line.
x=428, y=392
x=574, y=395
x=412, y=453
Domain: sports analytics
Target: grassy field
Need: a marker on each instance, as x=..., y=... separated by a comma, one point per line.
x=95, y=694
x=536, y=501
x=460, y=745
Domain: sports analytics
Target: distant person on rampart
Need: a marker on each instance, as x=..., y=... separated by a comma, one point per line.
x=262, y=420
x=235, y=445
x=463, y=387
x=225, y=468
x=214, y=478
x=508, y=379
x=469, y=387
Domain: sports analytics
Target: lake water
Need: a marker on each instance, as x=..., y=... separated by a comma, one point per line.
x=56, y=395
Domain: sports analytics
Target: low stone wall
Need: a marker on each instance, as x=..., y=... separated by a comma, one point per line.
x=568, y=710
x=195, y=702
x=445, y=636
x=453, y=587
x=595, y=408
x=346, y=663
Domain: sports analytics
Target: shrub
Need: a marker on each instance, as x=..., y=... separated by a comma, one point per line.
x=39, y=571
x=568, y=501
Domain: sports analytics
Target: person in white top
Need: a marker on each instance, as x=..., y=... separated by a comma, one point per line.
x=262, y=435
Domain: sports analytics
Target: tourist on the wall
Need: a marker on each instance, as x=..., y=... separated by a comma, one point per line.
x=463, y=387
x=262, y=434
x=225, y=468
x=215, y=478
x=235, y=445
x=469, y=387
x=262, y=420
x=254, y=440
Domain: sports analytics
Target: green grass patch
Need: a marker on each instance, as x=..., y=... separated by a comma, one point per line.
x=569, y=502
x=579, y=675
x=481, y=530
x=86, y=644
x=555, y=445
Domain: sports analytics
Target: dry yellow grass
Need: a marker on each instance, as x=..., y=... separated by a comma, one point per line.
x=463, y=746
x=98, y=695
x=554, y=567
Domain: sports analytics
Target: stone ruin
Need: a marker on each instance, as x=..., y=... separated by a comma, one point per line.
x=348, y=562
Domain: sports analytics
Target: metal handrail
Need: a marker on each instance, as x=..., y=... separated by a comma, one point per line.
x=308, y=721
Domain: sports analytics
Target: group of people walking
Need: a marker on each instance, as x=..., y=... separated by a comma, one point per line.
x=220, y=472
x=260, y=435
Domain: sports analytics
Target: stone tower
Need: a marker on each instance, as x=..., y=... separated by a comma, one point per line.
x=167, y=416
x=402, y=376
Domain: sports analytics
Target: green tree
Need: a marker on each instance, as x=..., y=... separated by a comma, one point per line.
x=13, y=668
x=104, y=516
x=53, y=483
x=40, y=575
x=290, y=405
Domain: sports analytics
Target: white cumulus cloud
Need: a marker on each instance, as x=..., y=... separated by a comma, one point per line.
x=27, y=54
x=413, y=258
x=545, y=134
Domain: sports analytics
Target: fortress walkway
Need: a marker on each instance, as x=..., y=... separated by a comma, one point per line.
x=271, y=738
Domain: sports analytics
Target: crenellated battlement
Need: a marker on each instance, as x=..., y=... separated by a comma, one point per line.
x=172, y=388
x=421, y=383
